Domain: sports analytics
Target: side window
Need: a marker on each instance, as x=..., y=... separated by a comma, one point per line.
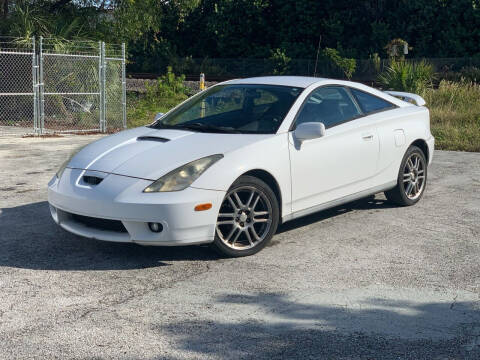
x=370, y=103
x=330, y=105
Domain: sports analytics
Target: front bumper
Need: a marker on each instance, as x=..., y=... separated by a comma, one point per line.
x=120, y=198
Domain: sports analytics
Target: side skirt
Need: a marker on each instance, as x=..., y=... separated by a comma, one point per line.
x=340, y=201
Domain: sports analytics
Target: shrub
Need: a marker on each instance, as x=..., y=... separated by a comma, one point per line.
x=167, y=85
x=466, y=73
x=168, y=91
x=280, y=62
x=347, y=65
x=470, y=73
x=407, y=76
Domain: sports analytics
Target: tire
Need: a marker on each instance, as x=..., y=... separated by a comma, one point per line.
x=411, y=180
x=248, y=218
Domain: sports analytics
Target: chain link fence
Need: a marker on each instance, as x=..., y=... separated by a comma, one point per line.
x=53, y=86
x=17, y=85
x=115, y=88
x=367, y=70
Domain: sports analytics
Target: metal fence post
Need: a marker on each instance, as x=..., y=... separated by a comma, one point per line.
x=124, y=89
x=100, y=82
x=104, y=75
x=102, y=69
x=35, y=87
x=41, y=98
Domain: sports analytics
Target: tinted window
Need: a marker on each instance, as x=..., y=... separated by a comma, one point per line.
x=370, y=103
x=257, y=109
x=329, y=105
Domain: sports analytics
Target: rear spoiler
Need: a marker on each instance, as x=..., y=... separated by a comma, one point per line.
x=408, y=97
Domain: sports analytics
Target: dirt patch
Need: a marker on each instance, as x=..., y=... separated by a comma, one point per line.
x=24, y=191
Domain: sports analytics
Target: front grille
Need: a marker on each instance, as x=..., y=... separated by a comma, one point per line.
x=98, y=223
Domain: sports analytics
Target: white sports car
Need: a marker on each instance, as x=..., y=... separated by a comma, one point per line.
x=229, y=164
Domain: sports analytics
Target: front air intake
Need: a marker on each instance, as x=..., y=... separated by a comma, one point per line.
x=98, y=223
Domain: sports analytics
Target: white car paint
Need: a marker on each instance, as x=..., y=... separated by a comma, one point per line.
x=353, y=159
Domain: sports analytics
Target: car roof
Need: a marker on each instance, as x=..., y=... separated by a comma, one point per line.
x=296, y=81
x=306, y=81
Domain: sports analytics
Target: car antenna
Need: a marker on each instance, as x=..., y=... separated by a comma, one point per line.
x=318, y=52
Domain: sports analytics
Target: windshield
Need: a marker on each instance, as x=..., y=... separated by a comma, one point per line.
x=253, y=109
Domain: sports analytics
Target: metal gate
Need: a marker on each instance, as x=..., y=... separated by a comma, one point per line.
x=18, y=86
x=70, y=86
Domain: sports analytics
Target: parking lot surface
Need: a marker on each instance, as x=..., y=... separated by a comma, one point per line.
x=366, y=280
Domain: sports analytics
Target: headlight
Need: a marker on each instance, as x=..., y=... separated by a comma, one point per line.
x=65, y=163
x=182, y=177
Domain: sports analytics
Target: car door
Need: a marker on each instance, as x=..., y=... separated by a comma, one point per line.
x=340, y=163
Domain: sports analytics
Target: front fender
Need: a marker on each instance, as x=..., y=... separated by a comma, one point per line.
x=270, y=155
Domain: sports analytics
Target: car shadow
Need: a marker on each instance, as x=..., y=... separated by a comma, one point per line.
x=369, y=203
x=30, y=239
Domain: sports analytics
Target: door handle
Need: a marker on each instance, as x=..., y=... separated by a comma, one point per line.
x=367, y=137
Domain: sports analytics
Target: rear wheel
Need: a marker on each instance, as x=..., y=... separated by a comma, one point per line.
x=412, y=178
x=248, y=218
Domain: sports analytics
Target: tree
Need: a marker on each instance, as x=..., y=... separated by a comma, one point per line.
x=160, y=31
x=3, y=8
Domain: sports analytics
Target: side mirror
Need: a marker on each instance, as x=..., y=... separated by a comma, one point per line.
x=309, y=130
x=158, y=116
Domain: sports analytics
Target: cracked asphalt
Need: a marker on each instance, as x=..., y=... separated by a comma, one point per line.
x=366, y=280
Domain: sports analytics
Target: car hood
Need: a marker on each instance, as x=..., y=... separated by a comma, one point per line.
x=150, y=153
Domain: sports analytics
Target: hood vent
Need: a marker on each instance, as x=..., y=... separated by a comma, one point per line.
x=152, y=138
x=92, y=180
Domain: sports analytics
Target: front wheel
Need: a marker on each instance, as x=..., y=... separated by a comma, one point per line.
x=248, y=218
x=412, y=178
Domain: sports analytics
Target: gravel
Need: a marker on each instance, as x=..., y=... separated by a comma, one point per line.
x=366, y=280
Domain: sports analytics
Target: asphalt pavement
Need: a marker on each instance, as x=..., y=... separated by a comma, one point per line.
x=367, y=280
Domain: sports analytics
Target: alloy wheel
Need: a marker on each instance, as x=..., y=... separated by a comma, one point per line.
x=245, y=218
x=414, y=176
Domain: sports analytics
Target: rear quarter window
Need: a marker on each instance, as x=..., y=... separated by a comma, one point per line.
x=370, y=103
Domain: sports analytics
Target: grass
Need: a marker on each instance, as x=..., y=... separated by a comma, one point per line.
x=454, y=105
x=455, y=115
x=454, y=110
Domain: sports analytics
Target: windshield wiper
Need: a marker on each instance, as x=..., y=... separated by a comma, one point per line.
x=159, y=125
x=206, y=128
x=201, y=127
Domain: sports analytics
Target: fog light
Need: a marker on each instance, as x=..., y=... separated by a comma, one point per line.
x=155, y=227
